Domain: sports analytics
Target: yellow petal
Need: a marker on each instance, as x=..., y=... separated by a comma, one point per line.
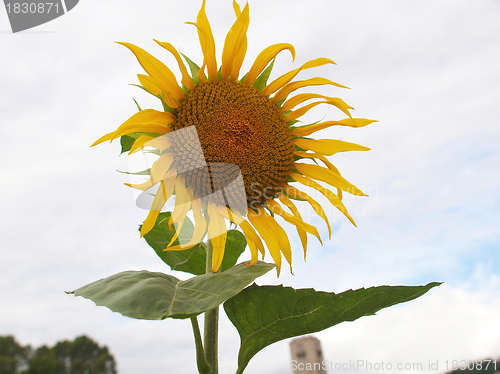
x=264, y=58
x=301, y=111
x=182, y=201
x=169, y=178
x=267, y=234
x=335, y=101
x=302, y=233
x=286, y=78
x=201, y=74
x=182, y=206
x=158, y=70
x=290, y=87
x=147, y=120
x=351, y=122
x=161, y=166
x=160, y=142
x=339, y=103
x=217, y=233
x=169, y=100
x=139, y=143
x=149, y=84
x=327, y=176
x=282, y=238
x=253, y=244
x=141, y=186
x=299, y=99
x=238, y=61
x=161, y=197
x=200, y=227
x=277, y=209
x=328, y=164
x=328, y=147
x=334, y=200
x=199, y=221
x=253, y=239
x=237, y=9
x=235, y=46
x=158, y=172
x=295, y=193
x=138, y=128
x=207, y=42
x=187, y=81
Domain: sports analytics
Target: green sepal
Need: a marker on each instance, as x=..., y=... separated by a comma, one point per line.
x=297, y=198
x=141, y=87
x=298, y=149
x=153, y=152
x=280, y=103
x=304, y=126
x=142, y=172
x=192, y=260
x=195, y=69
x=166, y=108
x=138, y=106
x=155, y=296
x=127, y=141
x=267, y=314
x=261, y=81
x=242, y=80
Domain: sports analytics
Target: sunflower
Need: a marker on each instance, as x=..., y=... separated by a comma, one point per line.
x=229, y=147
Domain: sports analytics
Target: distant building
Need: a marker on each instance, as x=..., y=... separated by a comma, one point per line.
x=307, y=356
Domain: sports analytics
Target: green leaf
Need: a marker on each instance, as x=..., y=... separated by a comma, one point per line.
x=235, y=246
x=155, y=296
x=261, y=81
x=265, y=315
x=192, y=260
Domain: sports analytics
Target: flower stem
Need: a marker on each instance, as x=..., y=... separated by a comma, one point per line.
x=201, y=361
x=211, y=325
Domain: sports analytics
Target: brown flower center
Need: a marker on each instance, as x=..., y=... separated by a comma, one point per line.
x=237, y=124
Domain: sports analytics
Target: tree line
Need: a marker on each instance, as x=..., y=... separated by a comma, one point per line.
x=80, y=356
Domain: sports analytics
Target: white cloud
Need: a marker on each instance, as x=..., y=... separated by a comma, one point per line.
x=427, y=71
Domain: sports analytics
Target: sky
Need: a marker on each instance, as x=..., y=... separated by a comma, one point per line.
x=428, y=71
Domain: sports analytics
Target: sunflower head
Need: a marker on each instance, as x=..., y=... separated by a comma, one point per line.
x=229, y=147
